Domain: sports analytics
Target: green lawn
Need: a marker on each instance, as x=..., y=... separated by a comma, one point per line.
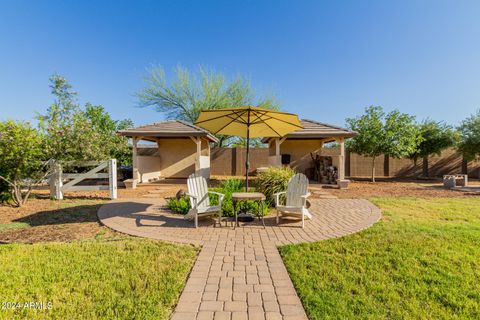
x=422, y=261
x=102, y=279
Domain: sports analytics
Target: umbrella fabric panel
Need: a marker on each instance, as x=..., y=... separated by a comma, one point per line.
x=248, y=121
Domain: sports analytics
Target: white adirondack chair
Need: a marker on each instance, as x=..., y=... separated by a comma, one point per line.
x=198, y=194
x=296, y=199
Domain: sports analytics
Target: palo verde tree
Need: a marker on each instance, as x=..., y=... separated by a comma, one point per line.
x=394, y=134
x=188, y=93
x=435, y=137
x=21, y=164
x=469, y=144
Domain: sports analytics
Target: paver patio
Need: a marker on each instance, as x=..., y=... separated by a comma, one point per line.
x=239, y=273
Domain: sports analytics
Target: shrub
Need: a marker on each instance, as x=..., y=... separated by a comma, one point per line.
x=227, y=187
x=232, y=185
x=180, y=206
x=21, y=165
x=273, y=180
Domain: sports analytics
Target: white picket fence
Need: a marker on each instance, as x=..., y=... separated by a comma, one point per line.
x=61, y=182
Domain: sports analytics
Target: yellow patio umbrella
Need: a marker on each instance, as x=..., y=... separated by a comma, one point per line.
x=248, y=122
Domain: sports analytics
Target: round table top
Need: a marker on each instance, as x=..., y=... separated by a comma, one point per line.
x=248, y=196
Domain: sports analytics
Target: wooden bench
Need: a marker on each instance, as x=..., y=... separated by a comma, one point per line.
x=455, y=180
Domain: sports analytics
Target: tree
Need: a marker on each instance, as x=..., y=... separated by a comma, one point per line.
x=58, y=124
x=76, y=133
x=242, y=143
x=469, y=144
x=187, y=94
x=394, y=134
x=436, y=137
x=114, y=145
x=21, y=154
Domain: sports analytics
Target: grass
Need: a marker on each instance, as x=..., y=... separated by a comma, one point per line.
x=422, y=261
x=13, y=225
x=123, y=279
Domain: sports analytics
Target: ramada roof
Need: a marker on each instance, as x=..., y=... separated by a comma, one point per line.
x=181, y=129
x=168, y=129
x=318, y=130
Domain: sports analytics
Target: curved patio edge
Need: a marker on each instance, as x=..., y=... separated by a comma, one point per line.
x=149, y=218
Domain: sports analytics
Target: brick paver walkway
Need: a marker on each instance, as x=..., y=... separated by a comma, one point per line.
x=239, y=273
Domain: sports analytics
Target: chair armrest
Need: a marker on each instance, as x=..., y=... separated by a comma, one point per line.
x=191, y=196
x=277, y=197
x=195, y=199
x=220, y=197
x=304, y=198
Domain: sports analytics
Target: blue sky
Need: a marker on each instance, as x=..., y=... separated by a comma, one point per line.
x=325, y=60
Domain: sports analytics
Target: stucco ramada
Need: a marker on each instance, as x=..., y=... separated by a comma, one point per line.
x=181, y=148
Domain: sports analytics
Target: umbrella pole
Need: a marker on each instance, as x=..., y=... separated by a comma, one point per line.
x=247, y=162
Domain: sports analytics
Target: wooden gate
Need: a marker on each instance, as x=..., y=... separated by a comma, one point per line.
x=61, y=182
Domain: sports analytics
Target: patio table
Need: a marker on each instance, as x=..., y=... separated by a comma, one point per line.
x=249, y=196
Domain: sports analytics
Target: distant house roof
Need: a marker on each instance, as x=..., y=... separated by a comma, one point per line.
x=168, y=129
x=318, y=130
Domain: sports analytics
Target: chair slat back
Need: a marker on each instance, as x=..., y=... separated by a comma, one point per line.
x=297, y=186
x=197, y=186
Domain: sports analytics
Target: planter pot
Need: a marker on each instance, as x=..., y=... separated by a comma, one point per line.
x=343, y=184
x=130, y=184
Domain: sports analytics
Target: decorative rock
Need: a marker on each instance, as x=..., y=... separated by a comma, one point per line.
x=343, y=184
x=180, y=193
x=130, y=184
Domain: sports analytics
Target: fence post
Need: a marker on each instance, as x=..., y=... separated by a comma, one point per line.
x=112, y=178
x=55, y=181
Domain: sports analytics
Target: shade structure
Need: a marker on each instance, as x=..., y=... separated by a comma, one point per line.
x=248, y=122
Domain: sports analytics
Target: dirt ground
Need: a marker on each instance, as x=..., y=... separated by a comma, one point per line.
x=399, y=188
x=74, y=218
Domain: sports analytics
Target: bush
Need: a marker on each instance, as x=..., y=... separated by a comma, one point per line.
x=180, y=206
x=273, y=180
x=227, y=187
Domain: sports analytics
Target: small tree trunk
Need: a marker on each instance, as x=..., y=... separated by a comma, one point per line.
x=425, y=167
x=373, y=169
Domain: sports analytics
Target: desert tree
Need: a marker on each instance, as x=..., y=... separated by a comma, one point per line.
x=394, y=134
x=436, y=136
x=469, y=130
x=73, y=132
x=188, y=93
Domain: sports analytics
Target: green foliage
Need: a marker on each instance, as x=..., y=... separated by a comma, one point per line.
x=394, y=134
x=436, y=136
x=470, y=136
x=240, y=142
x=114, y=145
x=274, y=180
x=75, y=134
x=227, y=187
x=122, y=279
x=21, y=163
x=420, y=261
x=187, y=94
x=180, y=206
x=232, y=185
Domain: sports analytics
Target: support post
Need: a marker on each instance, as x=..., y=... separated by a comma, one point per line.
x=56, y=181
x=278, y=156
x=341, y=162
x=341, y=182
x=112, y=178
x=199, y=153
x=136, y=173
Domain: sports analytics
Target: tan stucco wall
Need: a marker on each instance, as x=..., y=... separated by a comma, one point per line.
x=299, y=151
x=177, y=157
x=148, y=167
